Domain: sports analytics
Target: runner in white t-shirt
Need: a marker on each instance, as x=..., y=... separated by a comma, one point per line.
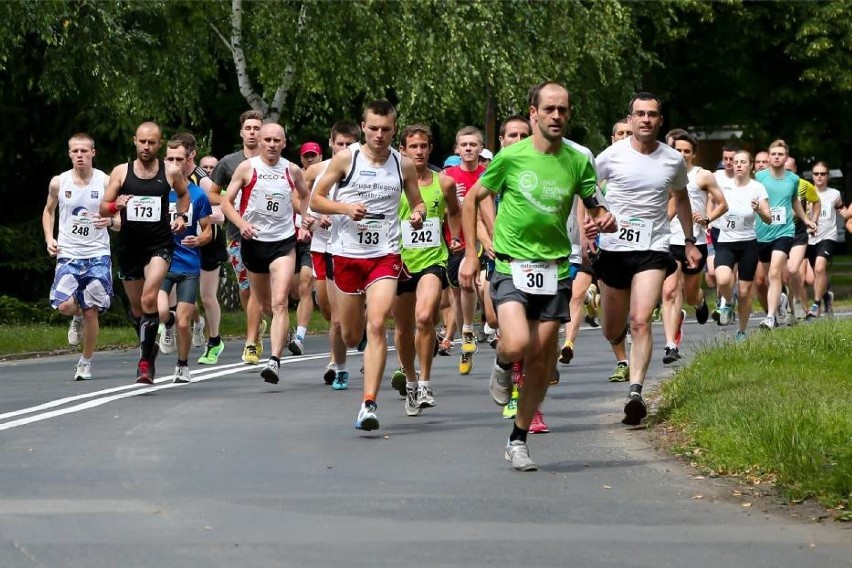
x=365, y=238
x=821, y=244
x=634, y=260
x=736, y=243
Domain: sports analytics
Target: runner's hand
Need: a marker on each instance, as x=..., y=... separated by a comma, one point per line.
x=590, y=228
x=52, y=247
x=121, y=201
x=693, y=255
x=248, y=232
x=605, y=222
x=325, y=221
x=357, y=211
x=468, y=271
x=191, y=242
x=303, y=236
x=178, y=225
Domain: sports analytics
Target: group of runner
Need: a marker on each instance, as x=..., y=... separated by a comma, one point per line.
x=530, y=236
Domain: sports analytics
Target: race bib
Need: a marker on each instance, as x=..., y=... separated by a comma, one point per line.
x=825, y=211
x=144, y=209
x=427, y=237
x=81, y=226
x=173, y=213
x=633, y=234
x=368, y=234
x=272, y=204
x=734, y=222
x=779, y=215
x=534, y=277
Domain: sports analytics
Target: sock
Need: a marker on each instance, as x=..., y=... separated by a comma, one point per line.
x=182, y=363
x=671, y=346
x=636, y=388
x=411, y=385
x=502, y=365
x=467, y=328
x=424, y=383
x=85, y=360
x=623, y=362
x=171, y=321
x=214, y=341
x=340, y=367
x=368, y=401
x=518, y=434
x=300, y=332
x=148, y=333
x=488, y=329
x=276, y=359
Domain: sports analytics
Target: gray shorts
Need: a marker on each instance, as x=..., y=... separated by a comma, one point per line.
x=538, y=307
x=187, y=286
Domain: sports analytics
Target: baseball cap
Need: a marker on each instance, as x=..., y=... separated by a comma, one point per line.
x=309, y=147
x=486, y=154
x=453, y=160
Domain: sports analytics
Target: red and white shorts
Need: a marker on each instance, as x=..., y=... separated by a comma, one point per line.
x=354, y=275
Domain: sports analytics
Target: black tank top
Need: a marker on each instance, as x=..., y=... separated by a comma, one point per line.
x=148, y=234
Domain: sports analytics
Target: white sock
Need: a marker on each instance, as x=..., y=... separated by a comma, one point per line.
x=340, y=368
x=488, y=329
x=424, y=383
x=300, y=332
x=467, y=328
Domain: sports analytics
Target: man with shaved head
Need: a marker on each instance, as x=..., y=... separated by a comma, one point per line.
x=266, y=223
x=139, y=191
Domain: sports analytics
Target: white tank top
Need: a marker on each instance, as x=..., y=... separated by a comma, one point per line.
x=321, y=236
x=379, y=188
x=78, y=206
x=698, y=201
x=267, y=203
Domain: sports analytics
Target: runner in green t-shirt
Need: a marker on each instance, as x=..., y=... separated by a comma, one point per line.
x=537, y=180
x=425, y=256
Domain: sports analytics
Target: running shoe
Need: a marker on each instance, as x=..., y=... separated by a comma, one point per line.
x=634, y=410
x=330, y=373
x=412, y=407
x=511, y=409
x=211, y=354
x=425, y=396
x=465, y=363
x=829, y=304
x=714, y=315
x=702, y=312
x=500, y=384
x=495, y=339
x=261, y=331
x=554, y=378
x=198, y=339
x=591, y=321
x=296, y=345
x=656, y=314
x=341, y=381
x=621, y=374
x=363, y=344
x=783, y=317
x=741, y=336
x=270, y=371
x=726, y=315
x=83, y=371
x=813, y=313
x=446, y=345
x=167, y=340
x=250, y=355
x=399, y=381
x=481, y=336
x=538, y=425
x=182, y=374
x=367, y=419
x=567, y=352
x=671, y=355
x=143, y=373
x=75, y=330
x=468, y=343
x=768, y=323
x=518, y=453
x=679, y=334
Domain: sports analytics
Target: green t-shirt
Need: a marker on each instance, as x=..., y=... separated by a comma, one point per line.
x=536, y=194
x=782, y=193
x=417, y=252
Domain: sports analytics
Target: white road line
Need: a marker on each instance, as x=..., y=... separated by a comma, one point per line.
x=134, y=390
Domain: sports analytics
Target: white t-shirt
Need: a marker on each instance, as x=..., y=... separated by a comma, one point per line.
x=267, y=201
x=737, y=224
x=574, y=225
x=379, y=188
x=78, y=207
x=698, y=199
x=637, y=193
x=726, y=184
x=827, y=222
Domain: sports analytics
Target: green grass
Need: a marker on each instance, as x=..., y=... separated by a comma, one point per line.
x=18, y=339
x=776, y=407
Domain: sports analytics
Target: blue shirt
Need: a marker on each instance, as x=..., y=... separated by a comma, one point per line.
x=782, y=192
x=186, y=260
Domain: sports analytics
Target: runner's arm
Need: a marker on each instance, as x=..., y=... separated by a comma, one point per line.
x=448, y=188
x=412, y=192
x=112, y=202
x=319, y=201
x=707, y=182
x=238, y=180
x=48, y=216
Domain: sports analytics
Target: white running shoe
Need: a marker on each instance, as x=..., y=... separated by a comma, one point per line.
x=75, y=331
x=198, y=339
x=782, y=317
x=167, y=340
x=182, y=374
x=518, y=453
x=83, y=371
x=768, y=323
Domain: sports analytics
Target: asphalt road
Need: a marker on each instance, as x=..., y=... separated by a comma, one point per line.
x=230, y=471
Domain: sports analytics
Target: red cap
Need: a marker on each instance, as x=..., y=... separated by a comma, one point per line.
x=309, y=147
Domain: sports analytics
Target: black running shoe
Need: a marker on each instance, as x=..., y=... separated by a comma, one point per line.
x=702, y=313
x=672, y=354
x=634, y=410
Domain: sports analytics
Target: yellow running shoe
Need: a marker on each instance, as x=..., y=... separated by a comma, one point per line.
x=261, y=331
x=511, y=409
x=468, y=342
x=250, y=355
x=465, y=363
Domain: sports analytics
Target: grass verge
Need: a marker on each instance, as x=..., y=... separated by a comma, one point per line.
x=777, y=408
x=18, y=339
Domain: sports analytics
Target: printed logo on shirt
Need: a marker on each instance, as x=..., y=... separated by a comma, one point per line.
x=367, y=173
x=67, y=195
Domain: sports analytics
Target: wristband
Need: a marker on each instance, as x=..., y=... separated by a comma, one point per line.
x=689, y=240
x=113, y=208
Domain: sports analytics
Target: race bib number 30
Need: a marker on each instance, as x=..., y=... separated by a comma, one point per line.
x=779, y=215
x=534, y=277
x=427, y=237
x=144, y=209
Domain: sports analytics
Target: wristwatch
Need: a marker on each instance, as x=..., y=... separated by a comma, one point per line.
x=689, y=240
x=185, y=217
